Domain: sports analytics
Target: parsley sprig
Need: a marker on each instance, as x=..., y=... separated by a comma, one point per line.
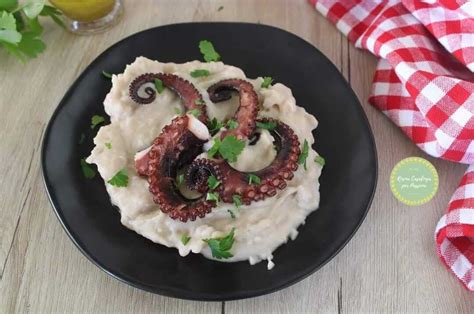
x=212, y=182
x=200, y=73
x=320, y=160
x=229, y=148
x=254, y=179
x=215, y=126
x=185, y=239
x=220, y=247
x=20, y=28
x=304, y=154
x=267, y=81
x=208, y=51
x=120, y=179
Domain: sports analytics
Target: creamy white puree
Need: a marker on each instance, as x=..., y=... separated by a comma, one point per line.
x=259, y=228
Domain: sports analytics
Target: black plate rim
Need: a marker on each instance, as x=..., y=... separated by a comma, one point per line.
x=179, y=293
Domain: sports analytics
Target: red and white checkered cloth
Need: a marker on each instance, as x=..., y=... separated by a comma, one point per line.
x=424, y=83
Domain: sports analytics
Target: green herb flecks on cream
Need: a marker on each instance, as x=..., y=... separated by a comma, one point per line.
x=159, y=86
x=253, y=179
x=267, y=81
x=195, y=112
x=232, y=124
x=212, y=196
x=200, y=73
x=108, y=145
x=304, y=154
x=185, y=239
x=220, y=247
x=212, y=182
x=319, y=160
x=208, y=51
x=237, y=199
x=120, y=179
x=270, y=125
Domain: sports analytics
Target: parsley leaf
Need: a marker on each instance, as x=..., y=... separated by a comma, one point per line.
x=200, y=73
x=199, y=102
x=232, y=124
x=232, y=215
x=304, y=154
x=159, y=86
x=212, y=196
x=33, y=8
x=267, y=81
x=30, y=45
x=212, y=182
x=8, y=32
x=195, y=112
x=87, y=170
x=96, y=120
x=185, y=239
x=215, y=148
x=107, y=74
x=208, y=51
x=8, y=4
x=120, y=179
x=320, y=160
x=54, y=14
x=178, y=111
x=180, y=179
x=108, y=145
x=215, y=126
x=230, y=148
x=237, y=199
x=220, y=247
x=270, y=125
x=254, y=179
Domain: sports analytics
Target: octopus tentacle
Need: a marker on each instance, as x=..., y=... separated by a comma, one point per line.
x=199, y=172
x=273, y=177
x=178, y=144
x=191, y=97
x=248, y=108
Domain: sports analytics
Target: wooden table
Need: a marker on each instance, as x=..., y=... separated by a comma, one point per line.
x=390, y=264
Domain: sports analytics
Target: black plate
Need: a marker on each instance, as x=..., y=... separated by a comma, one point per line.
x=343, y=137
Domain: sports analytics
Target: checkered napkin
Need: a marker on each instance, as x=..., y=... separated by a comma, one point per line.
x=424, y=83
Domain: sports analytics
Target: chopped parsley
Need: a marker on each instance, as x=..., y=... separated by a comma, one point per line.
x=237, y=199
x=96, y=120
x=212, y=182
x=82, y=139
x=108, y=145
x=180, y=179
x=319, y=160
x=254, y=179
x=199, y=102
x=267, y=81
x=106, y=74
x=185, y=239
x=159, y=86
x=232, y=124
x=178, y=111
x=120, y=179
x=195, y=112
x=304, y=154
x=215, y=147
x=208, y=51
x=232, y=215
x=87, y=170
x=200, y=73
x=270, y=125
x=220, y=247
x=212, y=196
x=215, y=126
x=230, y=148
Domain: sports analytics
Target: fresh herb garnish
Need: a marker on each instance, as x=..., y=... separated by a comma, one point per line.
x=212, y=182
x=195, y=112
x=270, y=125
x=215, y=126
x=208, y=51
x=254, y=179
x=180, y=179
x=120, y=179
x=106, y=74
x=199, y=102
x=200, y=73
x=215, y=148
x=108, y=145
x=304, y=154
x=178, y=111
x=212, y=196
x=82, y=139
x=220, y=247
x=87, y=170
x=267, y=81
x=230, y=148
x=319, y=160
x=232, y=124
x=185, y=239
x=159, y=86
x=237, y=199
x=20, y=29
x=96, y=120
x=232, y=215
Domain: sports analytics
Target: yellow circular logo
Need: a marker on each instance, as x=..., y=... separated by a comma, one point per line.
x=414, y=181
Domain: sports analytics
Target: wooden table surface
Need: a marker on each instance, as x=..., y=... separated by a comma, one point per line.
x=389, y=266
